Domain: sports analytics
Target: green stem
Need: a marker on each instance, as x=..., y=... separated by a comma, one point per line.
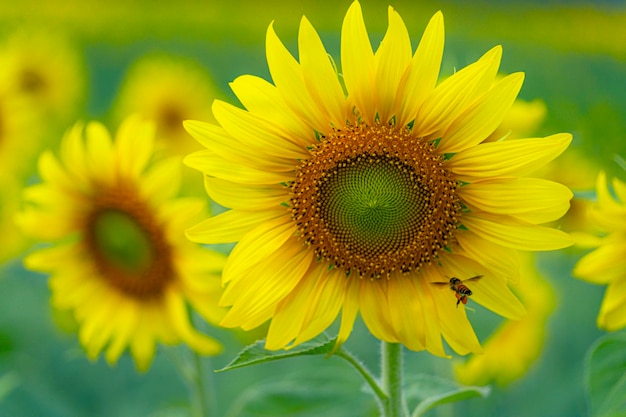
x=201, y=393
x=379, y=393
x=391, y=375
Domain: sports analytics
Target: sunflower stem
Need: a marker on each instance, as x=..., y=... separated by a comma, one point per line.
x=377, y=390
x=204, y=401
x=391, y=375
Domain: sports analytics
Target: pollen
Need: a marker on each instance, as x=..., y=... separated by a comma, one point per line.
x=127, y=243
x=375, y=199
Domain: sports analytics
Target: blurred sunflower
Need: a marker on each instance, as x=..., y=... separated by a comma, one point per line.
x=606, y=265
x=45, y=67
x=359, y=200
x=20, y=140
x=516, y=343
x=119, y=258
x=167, y=90
x=522, y=119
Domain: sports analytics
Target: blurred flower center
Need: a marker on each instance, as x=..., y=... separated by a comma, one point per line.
x=128, y=247
x=374, y=199
x=170, y=119
x=31, y=81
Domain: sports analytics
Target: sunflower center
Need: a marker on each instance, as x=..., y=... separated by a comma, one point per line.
x=375, y=199
x=31, y=81
x=127, y=245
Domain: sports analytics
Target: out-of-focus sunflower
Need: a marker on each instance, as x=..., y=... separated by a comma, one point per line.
x=119, y=259
x=522, y=119
x=20, y=140
x=358, y=196
x=606, y=264
x=167, y=90
x=48, y=69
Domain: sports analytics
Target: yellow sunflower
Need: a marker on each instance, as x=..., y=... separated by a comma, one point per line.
x=119, y=259
x=167, y=90
x=20, y=140
x=48, y=69
x=606, y=265
x=356, y=197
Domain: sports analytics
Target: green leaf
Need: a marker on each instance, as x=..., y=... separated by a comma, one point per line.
x=605, y=376
x=430, y=391
x=310, y=394
x=256, y=353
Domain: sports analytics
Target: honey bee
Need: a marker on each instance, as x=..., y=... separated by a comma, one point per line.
x=461, y=291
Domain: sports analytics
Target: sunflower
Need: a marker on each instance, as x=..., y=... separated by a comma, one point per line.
x=20, y=140
x=356, y=197
x=168, y=90
x=606, y=265
x=48, y=69
x=119, y=259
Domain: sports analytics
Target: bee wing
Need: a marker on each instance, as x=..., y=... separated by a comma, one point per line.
x=476, y=278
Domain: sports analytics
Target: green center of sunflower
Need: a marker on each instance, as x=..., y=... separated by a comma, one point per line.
x=122, y=241
x=375, y=199
x=127, y=245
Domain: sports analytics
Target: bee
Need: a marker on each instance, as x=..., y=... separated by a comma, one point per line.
x=461, y=291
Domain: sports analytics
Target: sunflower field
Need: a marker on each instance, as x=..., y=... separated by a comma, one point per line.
x=353, y=209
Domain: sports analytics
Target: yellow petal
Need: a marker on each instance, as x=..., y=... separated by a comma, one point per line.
x=287, y=321
x=142, y=348
x=52, y=172
x=288, y=78
x=603, y=265
x=264, y=100
x=179, y=316
x=483, y=117
x=162, y=180
x=229, y=226
x=527, y=199
x=421, y=76
x=73, y=152
x=325, y=303
x=490, y=255
x=357, y=62
x=490, y=291
x=612, y=314
x=319, y=75
x=516, y=234
x=407, y=312
x=620, y=189
x=455, y=327
x=255, y=133
x=507, y=158
x=123, y=332
x=433, y=341
x=349, y=311
x=266, y=284
x=391, y=60
x=250, y=251
x=216, y=165
x=218, y=141
x=375, y=310
x=134, y=143
x=239, y=196
x=100, y=152
x=453, y=96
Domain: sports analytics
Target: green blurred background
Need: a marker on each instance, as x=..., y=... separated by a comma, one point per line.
x=574, y=57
